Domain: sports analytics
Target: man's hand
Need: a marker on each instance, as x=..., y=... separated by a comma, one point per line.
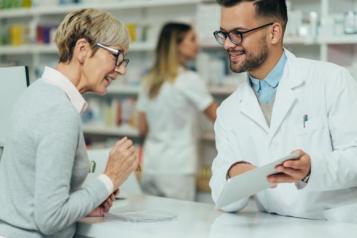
x=292, y=170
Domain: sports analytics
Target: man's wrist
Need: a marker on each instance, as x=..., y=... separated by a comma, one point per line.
x=307, y=177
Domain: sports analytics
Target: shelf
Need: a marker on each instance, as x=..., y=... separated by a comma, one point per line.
x=123, y=89
x=212, y=44
x=124, y=130
x=222, y=90
x=150, y=46
x=142, y=46
x=335, y=40
x=330, y=40
x=52, y=48
x=299, y=40
x=28, y=49
x=62, y=9
x=127, y=89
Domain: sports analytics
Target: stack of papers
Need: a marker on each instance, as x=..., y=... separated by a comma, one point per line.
x=141, y=216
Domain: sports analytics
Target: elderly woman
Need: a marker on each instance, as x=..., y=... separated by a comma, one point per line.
x=45, y=162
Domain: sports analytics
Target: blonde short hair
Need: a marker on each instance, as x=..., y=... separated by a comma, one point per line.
x=93, y=25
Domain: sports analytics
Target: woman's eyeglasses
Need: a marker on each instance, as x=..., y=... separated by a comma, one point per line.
x=118, y=54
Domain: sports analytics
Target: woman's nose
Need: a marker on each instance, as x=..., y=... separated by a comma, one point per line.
x=121, y=70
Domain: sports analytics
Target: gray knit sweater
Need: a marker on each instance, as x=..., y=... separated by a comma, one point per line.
x=43, y=167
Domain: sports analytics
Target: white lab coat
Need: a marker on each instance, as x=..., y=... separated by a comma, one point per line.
x=327, y=94
x=171, y=144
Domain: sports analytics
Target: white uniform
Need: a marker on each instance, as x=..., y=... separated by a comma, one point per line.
x=326, y=95
x=170, y=149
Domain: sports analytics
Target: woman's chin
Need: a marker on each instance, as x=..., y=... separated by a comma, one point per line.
x=102, y=91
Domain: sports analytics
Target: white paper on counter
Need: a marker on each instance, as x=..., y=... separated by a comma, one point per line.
x=141, y=216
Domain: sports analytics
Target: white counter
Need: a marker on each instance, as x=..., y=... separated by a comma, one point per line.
x=198, y=220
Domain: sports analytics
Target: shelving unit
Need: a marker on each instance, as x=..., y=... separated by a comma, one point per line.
x=320, y=45
x=138, y=11
x=337, y=48
x=126, y=130
x=52, y=49
x=63, y=9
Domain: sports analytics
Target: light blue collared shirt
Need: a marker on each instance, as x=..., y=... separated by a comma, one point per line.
x=266, y=89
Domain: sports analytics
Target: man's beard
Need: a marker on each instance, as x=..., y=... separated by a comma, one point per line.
x=251, y=62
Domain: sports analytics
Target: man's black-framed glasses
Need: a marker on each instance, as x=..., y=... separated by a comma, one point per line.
x=118, y=54
x=235, y=36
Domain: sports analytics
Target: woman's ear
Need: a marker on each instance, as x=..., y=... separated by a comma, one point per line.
x=82, y=50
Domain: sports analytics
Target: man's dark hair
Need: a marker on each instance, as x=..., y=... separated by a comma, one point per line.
x=265, y=8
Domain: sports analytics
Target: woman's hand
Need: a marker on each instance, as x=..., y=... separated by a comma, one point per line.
x=122, y=161
x=105, y=206
x=98, y=212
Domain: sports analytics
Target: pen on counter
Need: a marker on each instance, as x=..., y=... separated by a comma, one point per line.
x=305, y=119
x=119, y=198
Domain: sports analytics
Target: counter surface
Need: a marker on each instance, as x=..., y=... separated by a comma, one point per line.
x=198, y=220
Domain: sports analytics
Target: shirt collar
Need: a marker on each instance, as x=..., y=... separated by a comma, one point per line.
x=57, y=79
x=273, y=77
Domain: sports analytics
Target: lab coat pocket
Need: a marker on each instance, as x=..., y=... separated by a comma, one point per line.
x=311, y=134
x=310, y=126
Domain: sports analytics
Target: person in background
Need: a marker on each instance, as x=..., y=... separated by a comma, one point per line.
x=45, y=161
x=286, y=104
x=168, y=104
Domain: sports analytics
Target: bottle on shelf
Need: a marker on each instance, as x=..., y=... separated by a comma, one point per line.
x=349, y=25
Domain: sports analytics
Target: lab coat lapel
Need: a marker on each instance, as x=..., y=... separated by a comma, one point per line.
x=251, y=108
x=285, y=97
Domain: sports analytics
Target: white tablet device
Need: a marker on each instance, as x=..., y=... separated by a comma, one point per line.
x=250, y=182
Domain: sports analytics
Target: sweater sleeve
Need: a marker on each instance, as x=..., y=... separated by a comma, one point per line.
x=56, y=206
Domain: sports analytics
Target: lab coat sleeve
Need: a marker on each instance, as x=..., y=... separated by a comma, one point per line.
x=141, y=104
x=225, y=158
x=338, y=169
x=195, y=89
